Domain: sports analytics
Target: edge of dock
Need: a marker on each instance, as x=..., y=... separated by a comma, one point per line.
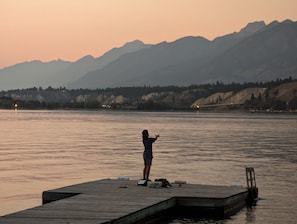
x=123, y=201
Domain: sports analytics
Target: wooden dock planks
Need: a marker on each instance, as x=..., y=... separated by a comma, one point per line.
x=123, y=201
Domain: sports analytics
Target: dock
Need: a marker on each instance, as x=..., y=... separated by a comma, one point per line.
x=124, y=201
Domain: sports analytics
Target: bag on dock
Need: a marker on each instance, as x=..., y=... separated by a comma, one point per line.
x=165, y=182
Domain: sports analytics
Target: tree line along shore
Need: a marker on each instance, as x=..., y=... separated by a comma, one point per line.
x=278, y=95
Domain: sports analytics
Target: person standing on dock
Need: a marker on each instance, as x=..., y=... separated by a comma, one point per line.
x=148, y=153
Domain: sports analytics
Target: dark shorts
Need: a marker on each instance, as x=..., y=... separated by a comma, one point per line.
x=147, y=161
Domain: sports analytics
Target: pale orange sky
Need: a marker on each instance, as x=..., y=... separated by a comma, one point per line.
x=70, y=29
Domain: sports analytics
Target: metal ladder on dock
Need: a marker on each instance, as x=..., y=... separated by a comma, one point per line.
x=251, y=183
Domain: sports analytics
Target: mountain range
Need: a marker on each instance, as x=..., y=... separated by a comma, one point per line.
x=257, y=53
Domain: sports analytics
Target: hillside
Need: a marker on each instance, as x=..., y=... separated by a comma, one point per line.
x=230, y=97
x=284, y=92
x=278, y=95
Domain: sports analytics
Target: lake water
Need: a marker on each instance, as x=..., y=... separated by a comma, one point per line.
x=42, y=150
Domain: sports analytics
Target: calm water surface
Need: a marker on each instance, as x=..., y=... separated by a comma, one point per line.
x=42, y=150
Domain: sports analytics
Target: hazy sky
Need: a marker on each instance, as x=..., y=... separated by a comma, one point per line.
x=70, y=29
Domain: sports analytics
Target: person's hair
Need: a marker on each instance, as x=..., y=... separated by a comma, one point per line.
x=145, y=134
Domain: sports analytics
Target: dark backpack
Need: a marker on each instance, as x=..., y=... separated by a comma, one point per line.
x=165, y=182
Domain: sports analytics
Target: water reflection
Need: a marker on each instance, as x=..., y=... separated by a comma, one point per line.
x=250, y=214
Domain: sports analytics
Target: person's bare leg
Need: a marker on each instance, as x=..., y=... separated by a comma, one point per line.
x=148, y=172
x=144, y=172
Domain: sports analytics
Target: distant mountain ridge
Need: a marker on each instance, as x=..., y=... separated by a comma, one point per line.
x=59, y=73
x=164, y=63
x=258, y=53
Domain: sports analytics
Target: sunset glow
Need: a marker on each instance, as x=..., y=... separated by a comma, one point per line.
x=70, y=29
